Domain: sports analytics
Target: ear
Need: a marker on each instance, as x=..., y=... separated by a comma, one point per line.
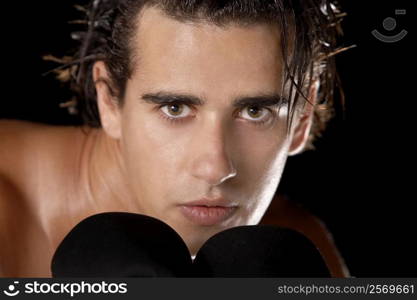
x=304, y=120
x=110, y=114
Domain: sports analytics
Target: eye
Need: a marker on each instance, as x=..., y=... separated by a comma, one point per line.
x=176, y=110
x=255, y=113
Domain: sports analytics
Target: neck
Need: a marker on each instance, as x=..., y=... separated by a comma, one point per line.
x=103, y=179
x=97, y=184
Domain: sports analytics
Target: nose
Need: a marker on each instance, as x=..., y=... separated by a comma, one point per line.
x=211, y=161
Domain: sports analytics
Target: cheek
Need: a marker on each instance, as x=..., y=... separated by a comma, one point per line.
x=259, y=150
x=262, y=159
x=152, y=153
x=263, y=167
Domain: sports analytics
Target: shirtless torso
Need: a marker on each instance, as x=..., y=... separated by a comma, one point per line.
x=39, y=204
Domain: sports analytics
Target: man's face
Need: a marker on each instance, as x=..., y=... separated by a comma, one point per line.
x=177, y=153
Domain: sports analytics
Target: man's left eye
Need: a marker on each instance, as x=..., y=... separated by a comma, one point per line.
x=254, y=113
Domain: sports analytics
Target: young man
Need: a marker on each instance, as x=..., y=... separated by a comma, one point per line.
x=191, y=110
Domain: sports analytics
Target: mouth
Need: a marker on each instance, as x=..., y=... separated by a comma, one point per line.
x=208, y=212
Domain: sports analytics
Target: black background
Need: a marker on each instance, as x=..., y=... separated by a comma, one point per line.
x=360, y=180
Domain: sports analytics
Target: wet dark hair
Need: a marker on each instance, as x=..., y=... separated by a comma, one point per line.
x=309, y=40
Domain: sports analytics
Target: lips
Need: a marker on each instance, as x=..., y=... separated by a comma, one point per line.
x=208, y=212
x=211, y=202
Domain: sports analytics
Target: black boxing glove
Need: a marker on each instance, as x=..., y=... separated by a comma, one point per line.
x=121, y=245
x=259, y=251
x=133, y=245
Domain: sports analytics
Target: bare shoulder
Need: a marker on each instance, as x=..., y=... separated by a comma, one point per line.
x=26, y=146
x=20, y=145
x=11, y=153
x=12, y=141
x=19, y=141
x=31, y=153
x=32, y=158
x=36, y=156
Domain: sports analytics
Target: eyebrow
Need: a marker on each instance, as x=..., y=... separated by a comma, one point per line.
x=239, y=102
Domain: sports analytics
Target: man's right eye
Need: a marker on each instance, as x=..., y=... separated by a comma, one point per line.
x=175, y=110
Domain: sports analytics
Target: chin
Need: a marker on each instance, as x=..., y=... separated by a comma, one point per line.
x=195, y=242
x=193, y=248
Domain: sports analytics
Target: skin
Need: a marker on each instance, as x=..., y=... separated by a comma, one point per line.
x=142, y=163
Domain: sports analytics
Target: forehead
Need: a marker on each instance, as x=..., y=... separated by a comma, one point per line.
x=200, y=55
